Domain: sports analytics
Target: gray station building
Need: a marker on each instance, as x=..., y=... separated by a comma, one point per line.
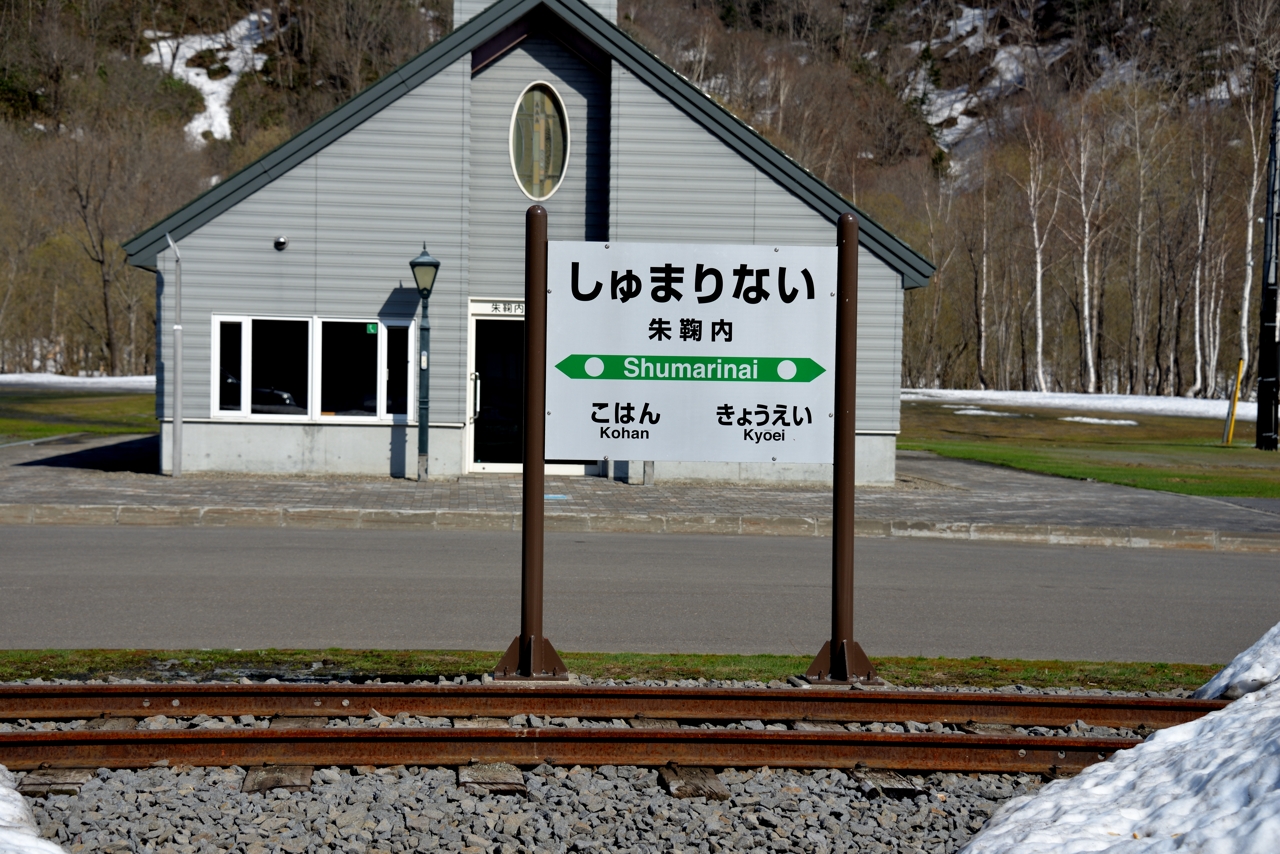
x=299, y=312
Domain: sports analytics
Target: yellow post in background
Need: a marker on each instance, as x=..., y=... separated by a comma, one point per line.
x=1229, y=433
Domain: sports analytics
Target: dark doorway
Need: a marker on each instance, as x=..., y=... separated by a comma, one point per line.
x=499, y=383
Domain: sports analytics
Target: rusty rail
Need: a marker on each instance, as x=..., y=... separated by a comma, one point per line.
x=70, y=702
x=925, y=752
x=806, y=748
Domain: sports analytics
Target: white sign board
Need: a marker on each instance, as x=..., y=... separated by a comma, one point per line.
x=690, y=352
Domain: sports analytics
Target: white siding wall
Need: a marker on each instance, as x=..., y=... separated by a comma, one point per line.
x=673, y=181
x=355, y=215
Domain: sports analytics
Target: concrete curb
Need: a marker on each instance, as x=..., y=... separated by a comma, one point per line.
x=778, y=526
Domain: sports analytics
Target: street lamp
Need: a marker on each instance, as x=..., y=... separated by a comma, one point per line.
x=424, y=269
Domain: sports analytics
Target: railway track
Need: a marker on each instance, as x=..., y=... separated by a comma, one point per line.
x=610, y=726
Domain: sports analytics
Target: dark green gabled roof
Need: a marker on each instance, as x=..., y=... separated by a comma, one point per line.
x=142, y=249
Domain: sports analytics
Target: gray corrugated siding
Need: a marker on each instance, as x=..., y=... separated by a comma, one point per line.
x=673, y=181
x=355, y=215
x=465, y=10
x=577, y=210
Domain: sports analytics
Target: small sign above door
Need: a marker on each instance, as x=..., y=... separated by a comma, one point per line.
x=690, y=352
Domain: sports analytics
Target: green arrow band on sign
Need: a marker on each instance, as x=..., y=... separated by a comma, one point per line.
x=582, y=366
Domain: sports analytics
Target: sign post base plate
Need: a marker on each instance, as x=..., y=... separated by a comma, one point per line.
x=849, y=664
x=518, y=662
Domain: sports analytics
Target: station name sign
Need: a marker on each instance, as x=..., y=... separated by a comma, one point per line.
x=691, y=352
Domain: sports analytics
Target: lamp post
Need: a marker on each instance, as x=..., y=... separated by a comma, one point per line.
x=424, y=269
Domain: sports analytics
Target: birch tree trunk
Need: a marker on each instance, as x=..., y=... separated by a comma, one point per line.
x=1086, y=166
x=1203, y=191
x=1038, y=187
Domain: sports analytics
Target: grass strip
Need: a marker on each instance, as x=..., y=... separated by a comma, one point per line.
x=366, y=664
x=1080, y=464
x=26, y=415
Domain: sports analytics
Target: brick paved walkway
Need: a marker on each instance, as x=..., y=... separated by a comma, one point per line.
x=59, y=481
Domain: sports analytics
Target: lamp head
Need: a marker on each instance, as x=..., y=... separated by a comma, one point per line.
x=424, y=269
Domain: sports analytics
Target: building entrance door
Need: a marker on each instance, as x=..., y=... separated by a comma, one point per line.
x=498, y=388
x=496, y=392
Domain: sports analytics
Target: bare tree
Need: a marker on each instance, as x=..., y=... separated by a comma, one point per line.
x=1085, y=156
x=1041, y=195
x=1255, y=29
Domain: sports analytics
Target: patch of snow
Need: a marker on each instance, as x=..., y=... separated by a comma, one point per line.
x=1251, y=670
x=1209, y=785
x=969, y=20
x=949, y=137
x=1119, y=74
x=979, y=41
x=1221, y=94
x=946, y=104
x=1009, y=65
x=986, y=412
x=1185, y=407
x=1085, y=419
x=235, y=48
x=18, y=831
x=57, y=382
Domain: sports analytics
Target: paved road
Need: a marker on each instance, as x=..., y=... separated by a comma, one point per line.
x=169, y=588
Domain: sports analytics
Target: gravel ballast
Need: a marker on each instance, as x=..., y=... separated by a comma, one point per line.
x=368, y=810
x=396, y=810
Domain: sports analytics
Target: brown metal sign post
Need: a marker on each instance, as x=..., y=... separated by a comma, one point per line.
x=531, y=656
x=841, y=658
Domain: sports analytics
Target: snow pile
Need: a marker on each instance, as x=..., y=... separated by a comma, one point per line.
x=1256, y=667
x=234, y=49
x=18, y=832
x=1085, y=419
x=1186, y=407
x=57, y=382
x=986, y=412
x=1211, y=785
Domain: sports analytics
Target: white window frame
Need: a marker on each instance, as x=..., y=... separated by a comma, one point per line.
x=215, y=367
x=380, y=373
x=411, y=406
x=315, y=331
x=246, y=369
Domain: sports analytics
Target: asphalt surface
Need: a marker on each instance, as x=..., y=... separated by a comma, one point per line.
x=243, y=588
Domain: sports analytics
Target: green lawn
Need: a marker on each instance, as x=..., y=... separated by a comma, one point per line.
x=906, y=672
x=1162, y=452
x=40, y=414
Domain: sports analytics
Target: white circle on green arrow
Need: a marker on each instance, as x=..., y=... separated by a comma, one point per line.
x=786, y=369
x=595, y=367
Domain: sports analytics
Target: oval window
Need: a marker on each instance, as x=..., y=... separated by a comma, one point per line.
x=539, y=141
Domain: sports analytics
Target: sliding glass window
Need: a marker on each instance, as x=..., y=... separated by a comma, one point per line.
x=274, y=367
x=230, y=370
x=398, y=358
x=279, y=369
x=349, y=368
